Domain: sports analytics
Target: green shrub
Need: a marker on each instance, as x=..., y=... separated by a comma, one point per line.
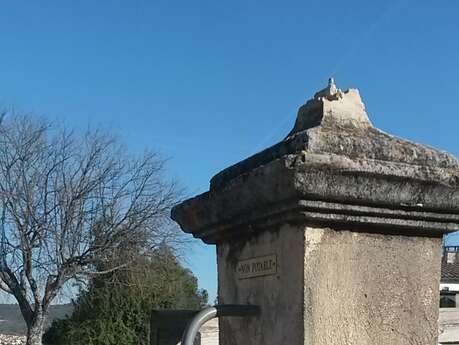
x=115, y=309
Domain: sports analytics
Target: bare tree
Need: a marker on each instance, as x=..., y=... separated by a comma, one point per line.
x=68, y=203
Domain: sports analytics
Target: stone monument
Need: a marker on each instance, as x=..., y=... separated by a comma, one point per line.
x=335, y=232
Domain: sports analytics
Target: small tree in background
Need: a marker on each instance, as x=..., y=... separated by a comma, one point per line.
x=67, y=204
x=116, y=308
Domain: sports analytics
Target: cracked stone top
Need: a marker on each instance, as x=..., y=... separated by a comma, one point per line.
x=335, y=122
x=332, y=107
x=334, y=168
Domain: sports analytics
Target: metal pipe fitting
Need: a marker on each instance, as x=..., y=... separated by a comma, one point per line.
x=209, y=313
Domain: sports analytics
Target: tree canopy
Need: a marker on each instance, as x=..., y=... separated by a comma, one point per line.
x=68, y=203
x=116, y=308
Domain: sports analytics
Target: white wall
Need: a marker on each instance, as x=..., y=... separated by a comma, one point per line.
x=452, y=287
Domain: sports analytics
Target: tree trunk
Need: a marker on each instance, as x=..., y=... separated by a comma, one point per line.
x=35, y=330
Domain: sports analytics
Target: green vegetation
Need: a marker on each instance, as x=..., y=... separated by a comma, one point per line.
x=73, y=206
x=116, y=307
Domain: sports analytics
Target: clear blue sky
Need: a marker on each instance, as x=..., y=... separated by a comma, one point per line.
x=208, y=83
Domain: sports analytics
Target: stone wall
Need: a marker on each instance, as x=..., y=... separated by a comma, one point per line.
x=281, y=292
x=378, y=289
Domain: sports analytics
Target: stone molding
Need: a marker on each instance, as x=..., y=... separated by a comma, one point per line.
x=334, y=169
x=319, y=190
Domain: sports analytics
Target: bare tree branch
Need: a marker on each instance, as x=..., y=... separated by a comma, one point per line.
x=69, y=205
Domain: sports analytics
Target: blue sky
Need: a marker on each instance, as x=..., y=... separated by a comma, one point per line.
x=208, y=83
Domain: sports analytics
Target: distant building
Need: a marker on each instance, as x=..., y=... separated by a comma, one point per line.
x=448, y=323
x=449, y=283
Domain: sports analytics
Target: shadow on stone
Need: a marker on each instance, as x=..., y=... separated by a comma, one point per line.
x=167, y=326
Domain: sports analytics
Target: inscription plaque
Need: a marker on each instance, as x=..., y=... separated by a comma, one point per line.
x=257, y=267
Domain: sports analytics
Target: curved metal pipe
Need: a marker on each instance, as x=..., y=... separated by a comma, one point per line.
x=195, y=324
x=211, y=312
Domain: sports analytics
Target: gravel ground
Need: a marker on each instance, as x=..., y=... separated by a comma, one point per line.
x=12, y=340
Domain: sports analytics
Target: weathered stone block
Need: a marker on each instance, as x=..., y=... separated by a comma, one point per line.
x=335, y=232
x=374, y=289
x=279, y=294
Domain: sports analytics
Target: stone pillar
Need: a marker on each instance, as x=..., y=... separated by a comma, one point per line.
x=335, y=232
